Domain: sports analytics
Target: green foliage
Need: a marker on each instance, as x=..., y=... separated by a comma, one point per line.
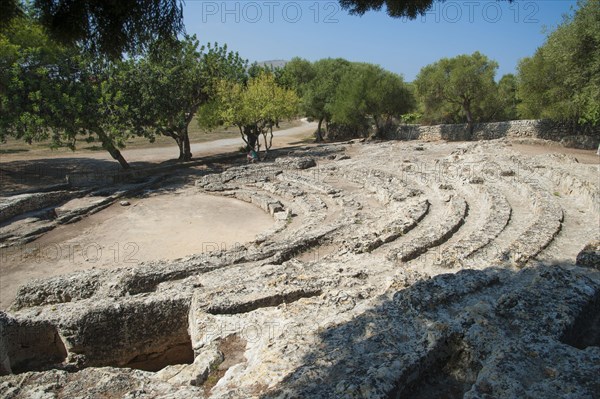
x=368, y=92
x=297, y=74
x=319, y=93
x=255, y=70
x=169, y=85
x=106, y=28
x=254, y=107
x=395, y=8
x=411, y=118
x=53, y=92
x=455, y=88
x=351, y=96
x=561, y=80
x=507, y=98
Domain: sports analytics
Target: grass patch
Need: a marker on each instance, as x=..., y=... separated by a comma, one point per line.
x=13, y=150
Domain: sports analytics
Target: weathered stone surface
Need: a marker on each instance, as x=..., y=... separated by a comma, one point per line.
x=434, y=235
x=77, y=204
x=316, y=307
x=296, y=162
x=19, y=204
x=193, y=374
x=590, y=256
x=133, y=331
x=106, y=383
x=467, y=334
x=49, y=209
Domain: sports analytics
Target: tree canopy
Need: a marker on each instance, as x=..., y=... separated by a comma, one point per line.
x=395, y=8
x=319, y=92
x=368, y=93
x=167, y=86
x=562, y=79
x=255, y=107
x=51, y=91
x=54, y=92
x=460, y=86
x=105, y=27
x=347, y=94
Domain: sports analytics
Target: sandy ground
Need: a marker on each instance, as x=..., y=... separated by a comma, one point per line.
x=166, y=226
x=582, y=156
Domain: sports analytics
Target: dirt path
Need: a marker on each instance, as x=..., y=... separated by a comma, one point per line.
x=38, y=168
x=281, y=138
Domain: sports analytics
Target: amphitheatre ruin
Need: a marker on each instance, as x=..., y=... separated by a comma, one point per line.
x=379, y=269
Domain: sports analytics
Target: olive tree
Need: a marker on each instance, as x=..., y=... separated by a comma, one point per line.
x=461, y=84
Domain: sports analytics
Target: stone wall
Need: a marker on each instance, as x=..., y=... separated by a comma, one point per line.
x=587, y=137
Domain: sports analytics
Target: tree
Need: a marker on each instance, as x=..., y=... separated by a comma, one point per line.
x=561, y=80
x=507, y=98
x=103, y=27
x=173, y=81
x=254, y=108
x=462, y=84
x=319, y=93
x=52, y=92
x=367, y=93
x=297, y=75
x=395, y=8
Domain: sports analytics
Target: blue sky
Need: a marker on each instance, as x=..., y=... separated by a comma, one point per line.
x=311, y=29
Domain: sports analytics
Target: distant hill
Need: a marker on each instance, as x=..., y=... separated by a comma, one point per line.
x=273, y=63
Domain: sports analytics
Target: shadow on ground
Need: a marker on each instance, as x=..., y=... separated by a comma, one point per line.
x=493, y=334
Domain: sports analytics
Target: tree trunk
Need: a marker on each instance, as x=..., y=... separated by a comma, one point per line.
x=114, y=152
x=319, y=133
x=270, y=137
x=244, y=137
x=377, y=127
x=264, y=134
x=180, y=146
x=187, y=150
x=470, y=126
x=178, y=140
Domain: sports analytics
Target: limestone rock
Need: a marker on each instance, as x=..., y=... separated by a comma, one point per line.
x=296, y=162
x=109, y=383
x=590, y=256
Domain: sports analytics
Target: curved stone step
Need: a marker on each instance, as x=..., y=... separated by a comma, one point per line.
x=309, y=182
x=385, y=186
x=540, y=233
x=433, y=235
x=391, y=230
x=498, y=216
x=562, y=176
